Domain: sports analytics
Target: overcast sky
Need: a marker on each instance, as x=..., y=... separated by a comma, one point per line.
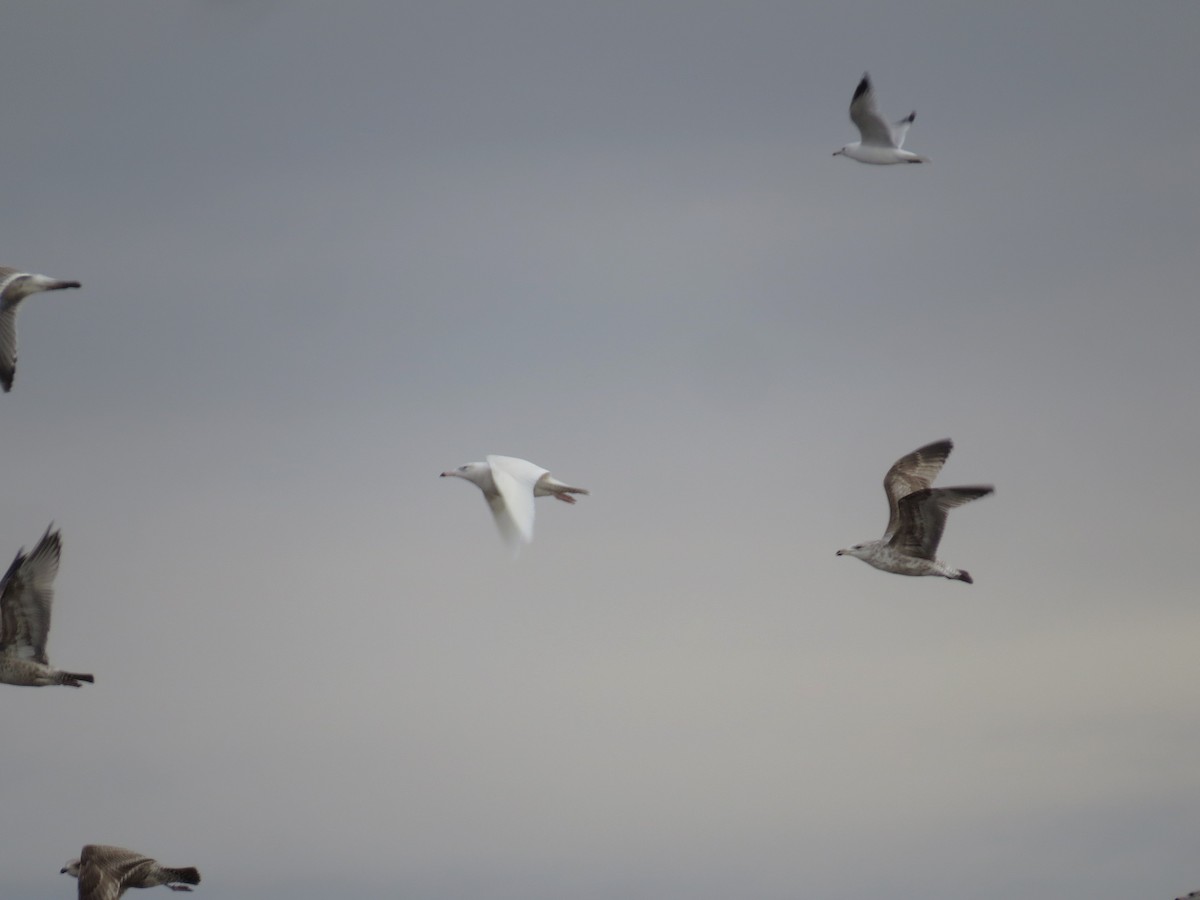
x=329, y=250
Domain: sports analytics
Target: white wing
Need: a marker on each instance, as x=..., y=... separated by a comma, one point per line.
x=865, y=114
x=513, y=509
x=900, y=129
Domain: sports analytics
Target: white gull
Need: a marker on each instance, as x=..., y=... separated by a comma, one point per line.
x=509, y=485
x=881, y=143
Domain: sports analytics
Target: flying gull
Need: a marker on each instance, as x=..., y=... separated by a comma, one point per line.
x=105, y=873
x=917, y=516
x=509, y=486
x=881, y=143
x=26, y=595
x=14, y=287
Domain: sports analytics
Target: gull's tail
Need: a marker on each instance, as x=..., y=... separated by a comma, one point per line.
x=75, y=679
x=188, y=875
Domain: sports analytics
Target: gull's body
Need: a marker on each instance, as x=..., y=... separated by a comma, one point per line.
x=881, y=144
x=105, y=873
x=14, y=287
x=26, y=595
x=509, y=485
x=917, y=516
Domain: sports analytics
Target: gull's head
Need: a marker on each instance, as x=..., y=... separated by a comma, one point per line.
x=24, y=284
x=71, y=868
x=475, y=472
x=858, y=550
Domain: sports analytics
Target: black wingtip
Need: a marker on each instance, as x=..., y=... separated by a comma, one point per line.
x=863, y=87
x=937, y=448
x=964, y=576
x=912, y=117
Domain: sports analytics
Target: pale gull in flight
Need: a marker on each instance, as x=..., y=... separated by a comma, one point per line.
x=881, y=143
x=105, y=873
x=917, y=516
x=14, y=287
x=26, y=595
x=509, y=486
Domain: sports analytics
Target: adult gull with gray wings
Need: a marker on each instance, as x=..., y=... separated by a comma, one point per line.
x=882, y=144
x=14, y=287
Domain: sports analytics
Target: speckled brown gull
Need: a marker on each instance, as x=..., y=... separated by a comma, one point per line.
x=105, y=873
x=26, y=595
x=917, y=516
x=14, y=287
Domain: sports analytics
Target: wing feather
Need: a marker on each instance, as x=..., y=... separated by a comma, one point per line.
x=514, y=479
x=8, y=345
x=912, y=472
x=27, y=597
x=864, y=113
x=104, y=871
x=923, y=517
x=900, y=129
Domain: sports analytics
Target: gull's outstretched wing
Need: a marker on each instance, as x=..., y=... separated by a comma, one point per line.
x=514, y=479
x=8, y=346
x=26, y=595
x=923, y=517
x=8, y=332
x=865, y=114
x=104, y=871
x=900, y=129
x=912, y=472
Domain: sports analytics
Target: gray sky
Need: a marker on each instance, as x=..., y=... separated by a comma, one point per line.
x=329, y=250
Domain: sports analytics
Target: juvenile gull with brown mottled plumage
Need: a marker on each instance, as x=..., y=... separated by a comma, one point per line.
x=26, y=595
x=917, y=516
x=105, y=873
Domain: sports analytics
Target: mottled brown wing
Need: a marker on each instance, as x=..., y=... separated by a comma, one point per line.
x=922, y=517
x=96, y=882
x=10, y=618
x=913, y=472
x=105, y=872
x=8, y=346
x=26, y=597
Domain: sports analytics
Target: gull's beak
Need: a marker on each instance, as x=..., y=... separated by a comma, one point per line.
x=445, y=474
x=839, y=553
x=62, y=871
x=64, y=284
